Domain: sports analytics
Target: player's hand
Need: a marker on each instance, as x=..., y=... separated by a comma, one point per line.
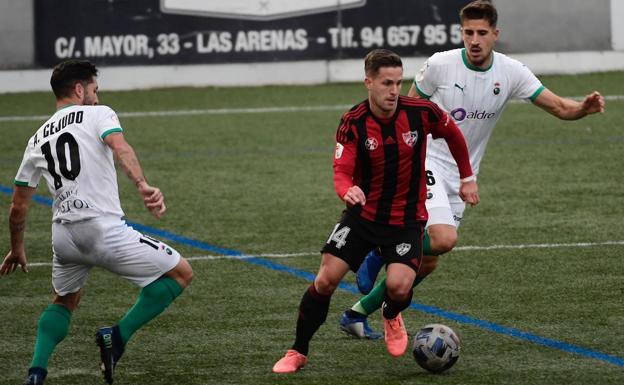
x=11, y=261
x=469, y=192
x=594, y=103
x=153, y=199
x=354, y=196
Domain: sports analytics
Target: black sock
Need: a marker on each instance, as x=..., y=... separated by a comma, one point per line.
x=354, y=314
x=40, y=372
x=392, y=308
x=312, y=314
x=118, y=345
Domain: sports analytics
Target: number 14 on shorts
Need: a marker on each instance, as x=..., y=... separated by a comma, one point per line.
x=339, y=236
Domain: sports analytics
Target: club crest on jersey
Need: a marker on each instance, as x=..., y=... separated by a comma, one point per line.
x=371, y=144
x=339, y=148
x=410, y=138
x=496, y=88
x=421, y=73
x=403, y=248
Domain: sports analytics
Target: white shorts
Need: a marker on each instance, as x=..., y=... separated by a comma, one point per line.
x=109, y=243
x=443, y=202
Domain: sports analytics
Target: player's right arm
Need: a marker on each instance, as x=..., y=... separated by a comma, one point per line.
x=344, y=165
x=424, y=84
x=128, y=161
x=18, y=211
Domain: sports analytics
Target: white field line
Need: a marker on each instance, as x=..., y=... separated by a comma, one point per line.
x=541, y=246
x=222, y=111
x=216, y=111
x=459, y=248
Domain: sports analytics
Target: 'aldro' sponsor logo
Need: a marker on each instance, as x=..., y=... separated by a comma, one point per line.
x=460, y=114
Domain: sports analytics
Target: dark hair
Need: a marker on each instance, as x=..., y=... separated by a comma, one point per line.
x=378, y=58
x=66, y=74
x=480, y=9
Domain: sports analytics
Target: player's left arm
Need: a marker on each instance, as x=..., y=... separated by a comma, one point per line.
x=153, y=198
x=18, y=211
x=568, y=109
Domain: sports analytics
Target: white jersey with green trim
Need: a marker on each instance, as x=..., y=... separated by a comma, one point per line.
x=475, y=98
x=68, y=150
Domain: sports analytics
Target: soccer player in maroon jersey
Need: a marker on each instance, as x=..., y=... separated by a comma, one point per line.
x=379, y=173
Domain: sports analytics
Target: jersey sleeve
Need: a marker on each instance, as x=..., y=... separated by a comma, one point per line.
x=28, y=174
x=525, y=84
x=107, y=122
x=426, y=78
x=437, y=121
x=344, y=156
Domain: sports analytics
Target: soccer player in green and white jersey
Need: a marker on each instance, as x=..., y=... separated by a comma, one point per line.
x=473, y=85
x=73, y=151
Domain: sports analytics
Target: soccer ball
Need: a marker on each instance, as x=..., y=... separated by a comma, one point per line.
x=436, y=348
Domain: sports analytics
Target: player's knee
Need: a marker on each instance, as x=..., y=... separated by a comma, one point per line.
x=188, y=276
x=428, y=265
x=182, y=273
x=443, y=242
x=187, y=273
x=70, y=301
x=325, y=285
x=399, y=290
x=400, y=293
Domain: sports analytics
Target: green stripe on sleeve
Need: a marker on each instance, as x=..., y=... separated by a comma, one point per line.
x=422, y=94
x=107, y=132
x=536, y=93
x=20, y=183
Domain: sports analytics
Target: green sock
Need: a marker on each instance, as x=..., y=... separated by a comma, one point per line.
x=359, y=308
x=427, y=244
x=373, y=300
x=52, y=329
x=153, y=300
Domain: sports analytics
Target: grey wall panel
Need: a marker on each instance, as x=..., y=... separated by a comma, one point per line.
x=16, y=34
x=554, y=25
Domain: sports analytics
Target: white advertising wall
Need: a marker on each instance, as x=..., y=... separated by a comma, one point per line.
x=547, y=35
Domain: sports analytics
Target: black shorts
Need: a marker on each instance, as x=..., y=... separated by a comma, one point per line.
x=353, y=238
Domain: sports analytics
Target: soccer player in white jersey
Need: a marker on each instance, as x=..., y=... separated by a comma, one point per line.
x=74, y=151
x=473, y=85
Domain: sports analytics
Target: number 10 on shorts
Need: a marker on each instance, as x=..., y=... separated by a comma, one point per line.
x=339, y=236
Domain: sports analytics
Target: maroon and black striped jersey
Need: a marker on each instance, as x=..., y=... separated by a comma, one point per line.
x=386, y=159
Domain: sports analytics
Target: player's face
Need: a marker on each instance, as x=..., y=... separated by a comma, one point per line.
x=384, y=89
x=479, y=38
x=90, y=93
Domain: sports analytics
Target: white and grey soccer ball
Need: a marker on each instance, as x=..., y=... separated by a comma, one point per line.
x=436, y=348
